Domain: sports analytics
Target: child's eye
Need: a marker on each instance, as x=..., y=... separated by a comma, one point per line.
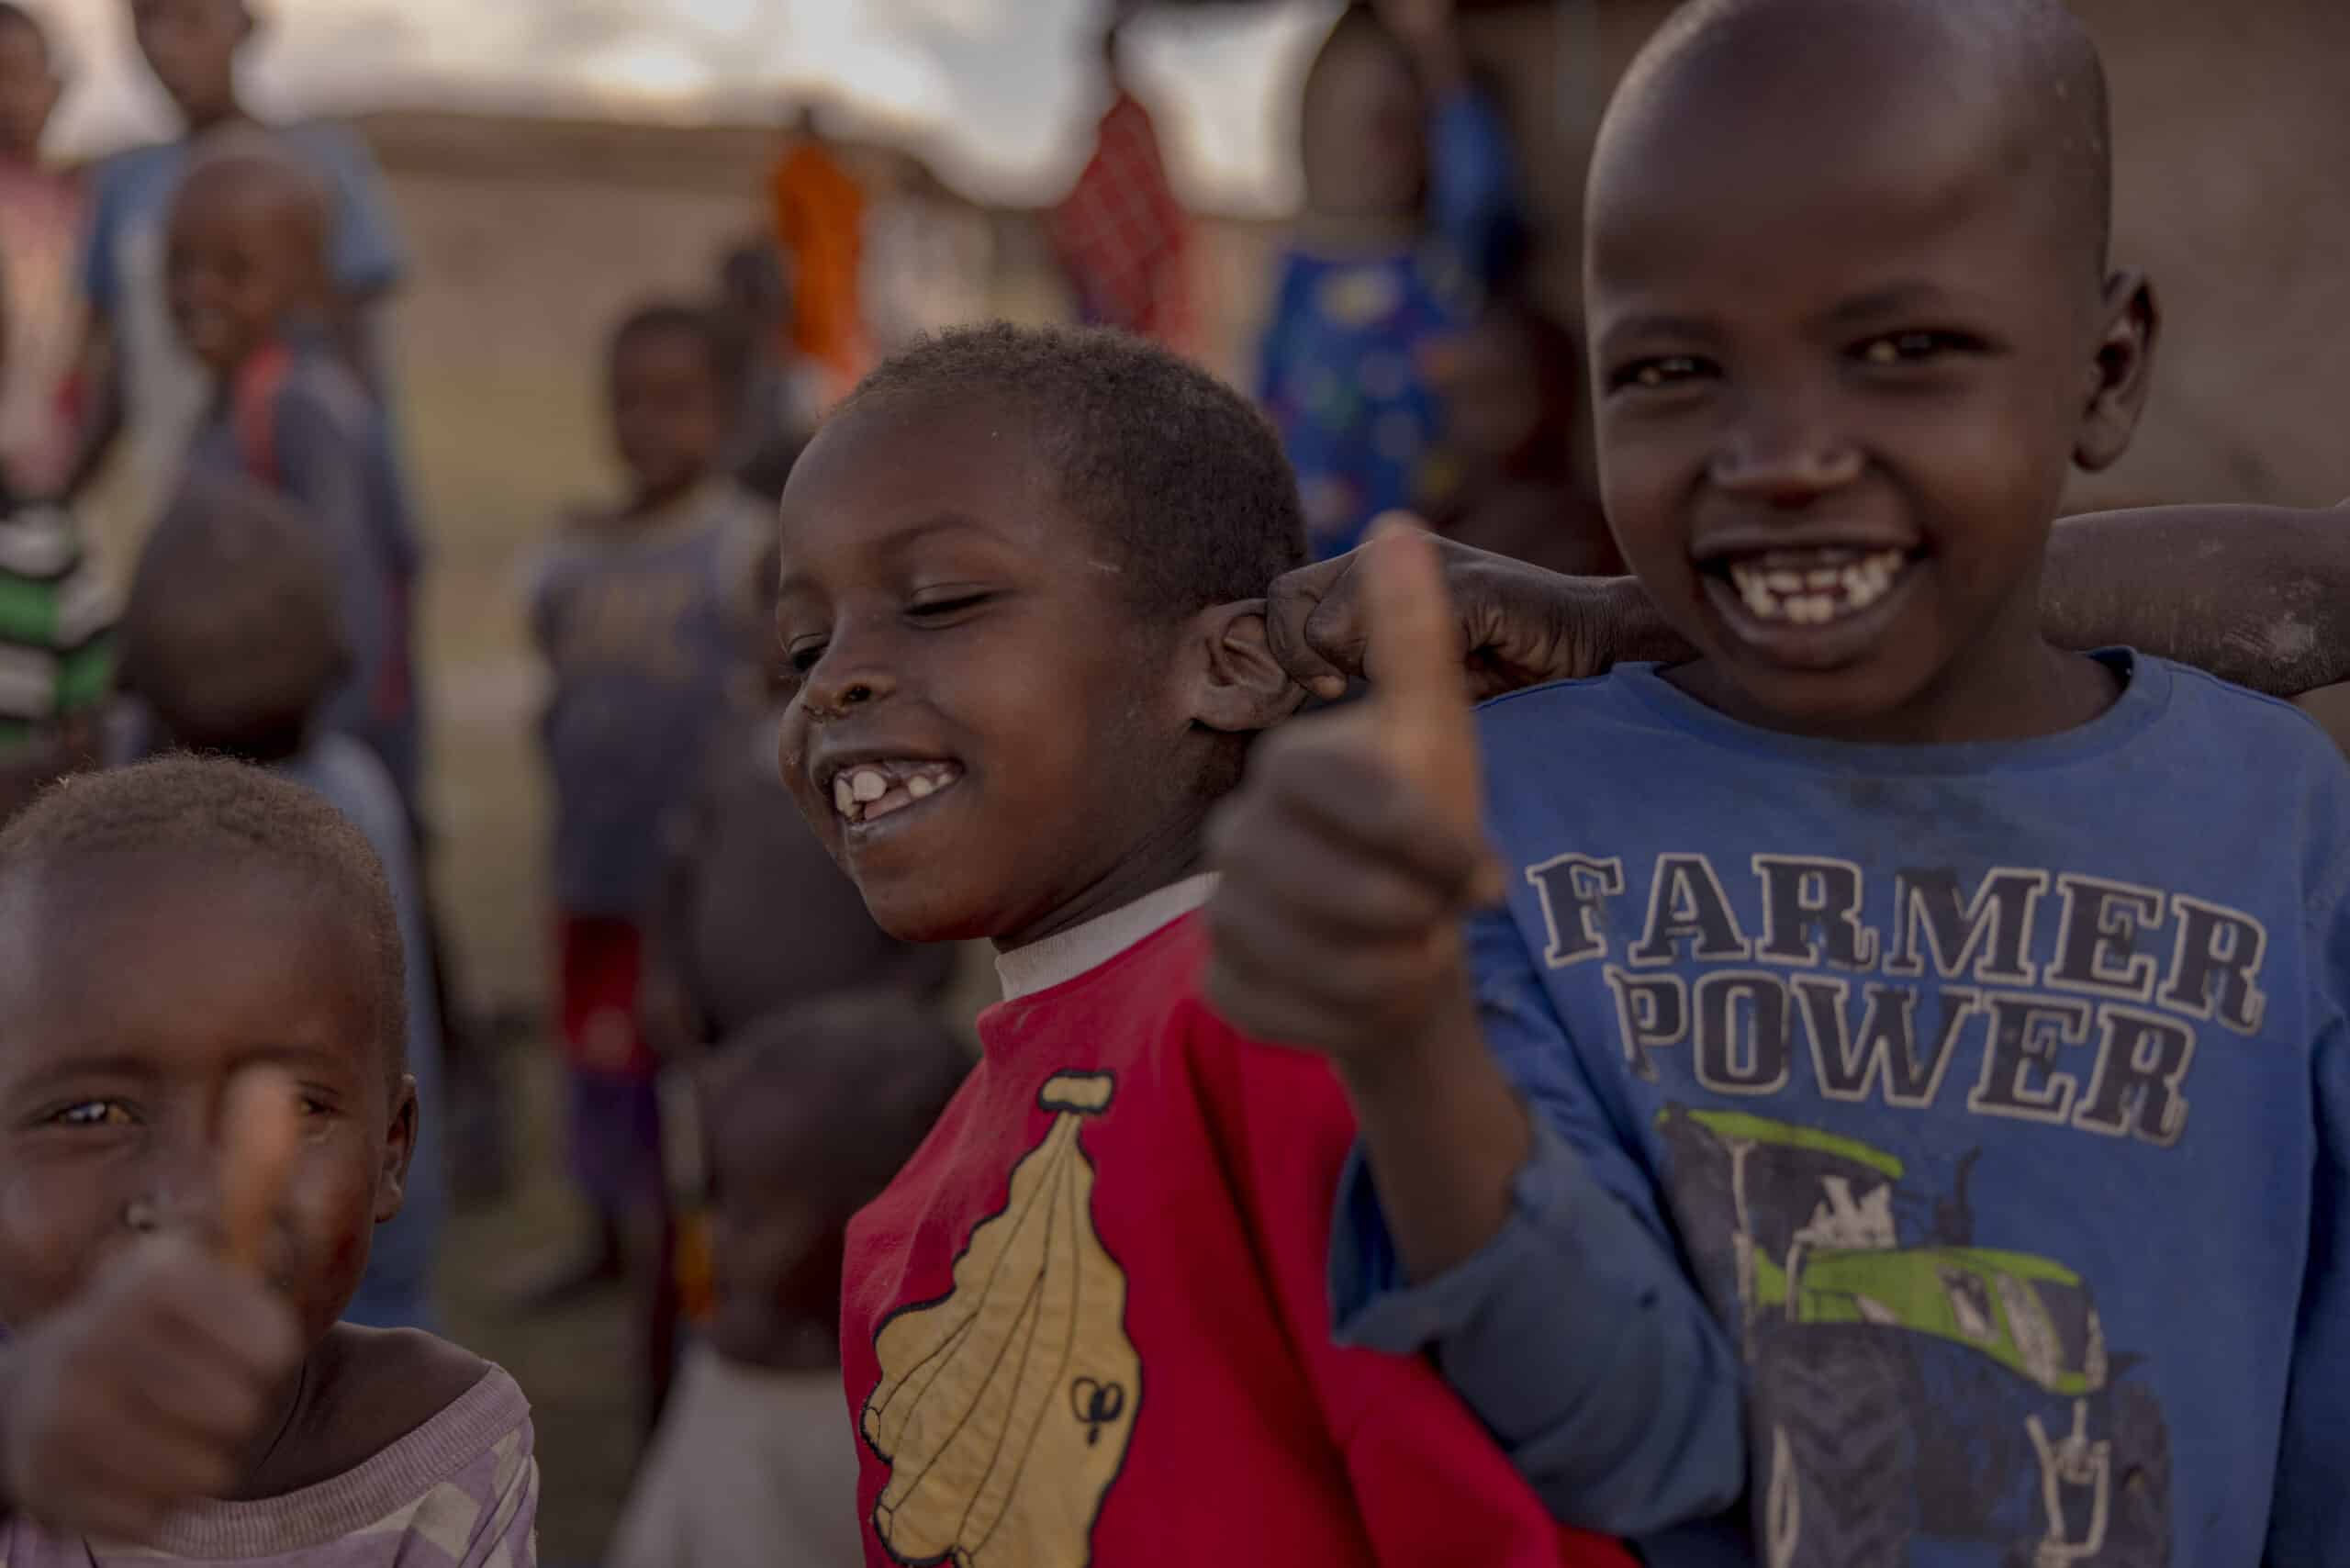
x=801, y=657
x=1657, y=374
x=93, y=1113
x=1916, y=348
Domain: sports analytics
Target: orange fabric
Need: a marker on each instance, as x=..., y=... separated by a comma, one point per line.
x=819, y=223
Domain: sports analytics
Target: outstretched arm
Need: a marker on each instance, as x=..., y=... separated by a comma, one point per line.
x=2256, y=595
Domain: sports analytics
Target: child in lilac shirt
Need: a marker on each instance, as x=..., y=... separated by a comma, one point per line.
x=204, y=1112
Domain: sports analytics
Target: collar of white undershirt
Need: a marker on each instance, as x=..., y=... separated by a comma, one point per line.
x=1040, y=966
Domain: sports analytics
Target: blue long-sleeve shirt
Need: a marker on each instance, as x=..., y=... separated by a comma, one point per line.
x=1993, y=1100
x=397, y=1290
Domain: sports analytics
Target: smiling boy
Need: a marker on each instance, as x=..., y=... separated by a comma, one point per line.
x=1086, y=1323
x=1938, y=1039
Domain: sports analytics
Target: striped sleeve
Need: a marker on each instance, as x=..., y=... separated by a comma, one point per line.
x=56, y=619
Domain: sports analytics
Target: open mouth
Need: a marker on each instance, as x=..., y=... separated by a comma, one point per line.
x=1811, y=586
x=865, y=793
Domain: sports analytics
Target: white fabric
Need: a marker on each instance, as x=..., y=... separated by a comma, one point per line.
x=1040, y=966
x=751, y=1469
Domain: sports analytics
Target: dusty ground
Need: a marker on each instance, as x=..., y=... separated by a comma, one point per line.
x=566, y=1361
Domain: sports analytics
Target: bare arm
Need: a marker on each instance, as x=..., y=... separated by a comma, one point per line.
x=2256, y=594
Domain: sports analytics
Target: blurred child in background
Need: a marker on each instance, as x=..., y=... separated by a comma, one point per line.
x=56, y=655
x=1411, y=215
x=248, y=292
x=639, y=613
x=195, y=1165
x=926, y=258
x=40, y=230
x=231, y=638
x=145, y=380
x=754, y=920
x=770, y=426
x=1509, y=388
x=806, y=1114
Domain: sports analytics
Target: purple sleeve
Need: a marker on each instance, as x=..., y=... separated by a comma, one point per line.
x=508, y=1533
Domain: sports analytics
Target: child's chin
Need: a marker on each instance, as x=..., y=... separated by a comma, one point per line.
x=924, y=913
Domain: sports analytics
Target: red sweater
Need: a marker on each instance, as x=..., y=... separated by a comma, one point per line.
x=1087, y=1322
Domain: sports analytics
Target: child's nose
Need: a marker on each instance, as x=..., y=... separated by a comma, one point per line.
x=841, y=685
x=1784, y=454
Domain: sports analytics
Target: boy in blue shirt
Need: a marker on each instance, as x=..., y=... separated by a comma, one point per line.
x=249, y=293
x=152, y=386
x=1938, y=1040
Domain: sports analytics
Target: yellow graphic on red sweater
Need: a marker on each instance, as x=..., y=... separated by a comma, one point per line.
x=1005, y=1407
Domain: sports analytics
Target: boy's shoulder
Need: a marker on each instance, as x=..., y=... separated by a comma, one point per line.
x=377, y=1387
x=2203, y=703
x=1533, y=715
x=301, y=371
x=126, y=170
x=2265, y=760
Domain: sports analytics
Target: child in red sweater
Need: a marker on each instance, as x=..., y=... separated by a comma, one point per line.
x=1087, y=1322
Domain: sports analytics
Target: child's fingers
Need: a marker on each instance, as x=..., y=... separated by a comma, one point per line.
x=1297, y=611
x=1413, y=659
x=260, y=1130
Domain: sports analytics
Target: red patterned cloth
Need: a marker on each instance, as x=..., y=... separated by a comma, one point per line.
x=1123, y=235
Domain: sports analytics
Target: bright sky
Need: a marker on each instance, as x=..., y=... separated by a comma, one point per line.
x=997, y=90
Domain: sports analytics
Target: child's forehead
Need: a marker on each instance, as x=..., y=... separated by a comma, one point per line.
x=169, y=914
x=152, y=960
x=933, y=463
x=1883, y=127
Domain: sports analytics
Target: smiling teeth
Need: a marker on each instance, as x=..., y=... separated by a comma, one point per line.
x=870, y=790
x=1824, y=586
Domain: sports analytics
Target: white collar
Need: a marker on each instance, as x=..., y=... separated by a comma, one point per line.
x=1040, y=966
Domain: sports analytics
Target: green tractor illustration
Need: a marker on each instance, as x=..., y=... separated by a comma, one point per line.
x=1908, y=1384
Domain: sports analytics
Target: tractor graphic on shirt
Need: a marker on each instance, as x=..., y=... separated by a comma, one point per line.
x=1906, y=1383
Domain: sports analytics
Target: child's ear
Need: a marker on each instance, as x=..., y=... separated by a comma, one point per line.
x=1238, y=687
x=399, y=1147
x=2124, y=372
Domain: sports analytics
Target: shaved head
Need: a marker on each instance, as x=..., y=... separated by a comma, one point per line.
x=257, y=174
x=2022, y=76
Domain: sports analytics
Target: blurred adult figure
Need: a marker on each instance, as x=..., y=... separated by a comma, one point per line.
x=819, y=227
x=926, y=258
x=1120, y=234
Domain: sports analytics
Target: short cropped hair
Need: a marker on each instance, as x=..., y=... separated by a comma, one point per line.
x=1179, y=474
x=249, y=160
x=231, y=632
x=183, y=803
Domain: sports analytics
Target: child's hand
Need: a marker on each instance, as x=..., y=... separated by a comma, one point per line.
x=147, y=1393
x=1354, y=848
x=1514, y=625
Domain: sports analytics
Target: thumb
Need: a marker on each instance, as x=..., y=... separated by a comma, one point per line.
x=1420, y=709
x=260, y=1133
